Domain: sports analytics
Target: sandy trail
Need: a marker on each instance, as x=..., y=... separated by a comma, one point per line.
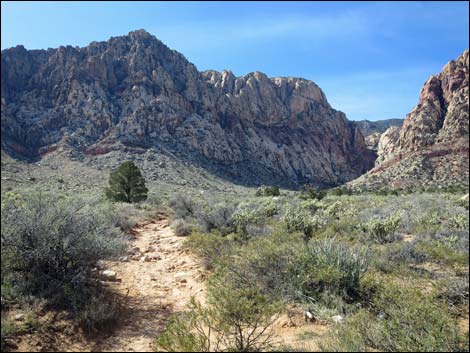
x=152, y=289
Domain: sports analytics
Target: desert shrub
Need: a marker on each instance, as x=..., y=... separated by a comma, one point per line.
x=218, y=216
x=181, y=227
x=459, y=222
x=312, y=205
x=381, y=192
x=462, y=203
x=188, y=331
x=265, y=262
x=211, y=247
x=455, y=239
x=183, y=206
x=298, y=219
x=406, y=253
x=9, y=330
x=267, y=191
x=404, y=320
x=310, y=192
x=127, y=184
x=330, y=266
x=99, y=313
x=236, y=319
x=383, y=230
x=244, y=216
x=270, y=208
x=335, y=209
x=154, y=199
x=442, y=253
x=126, y=216
x=454, y=290
x=426, y=222
x=50, y=243
x=337, y=192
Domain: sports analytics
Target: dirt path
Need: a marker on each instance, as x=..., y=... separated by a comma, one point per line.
x=153, y=289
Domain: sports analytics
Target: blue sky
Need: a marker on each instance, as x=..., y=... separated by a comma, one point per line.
x=370, y=58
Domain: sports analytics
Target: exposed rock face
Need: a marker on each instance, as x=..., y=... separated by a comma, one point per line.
x=373, y=130
x=372, y=127
x=134, y=92
x=386, y=143
x=432, y=146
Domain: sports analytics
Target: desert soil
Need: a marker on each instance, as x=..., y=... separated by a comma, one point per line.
x=153, y=290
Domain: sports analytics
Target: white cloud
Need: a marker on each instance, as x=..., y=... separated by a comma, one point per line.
x=314, y=28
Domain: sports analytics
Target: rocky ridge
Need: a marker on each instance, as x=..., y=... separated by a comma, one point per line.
x=368, y=127
x=432, y=146
x=132, y=93
x=373, y=130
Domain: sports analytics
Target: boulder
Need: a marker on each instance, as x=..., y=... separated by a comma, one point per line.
x=108, y=275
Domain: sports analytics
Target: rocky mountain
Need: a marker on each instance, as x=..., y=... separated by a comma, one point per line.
x=368, y=127
x=432, y=146
x=132, y=93
x=372, y=130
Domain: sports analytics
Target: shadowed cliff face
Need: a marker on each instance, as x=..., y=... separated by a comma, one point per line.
x=134, y=91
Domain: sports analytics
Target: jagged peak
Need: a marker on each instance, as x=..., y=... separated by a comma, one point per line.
x=142, y=33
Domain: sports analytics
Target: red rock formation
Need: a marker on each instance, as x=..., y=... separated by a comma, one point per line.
x=432, y=144
x=134, y=91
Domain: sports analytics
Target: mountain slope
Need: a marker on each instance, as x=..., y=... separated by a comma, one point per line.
x=368, y=127
x=432, y=146
x=132, y=93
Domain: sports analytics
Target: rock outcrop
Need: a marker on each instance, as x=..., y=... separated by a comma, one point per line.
x=432, y=146
x=373, y=130
x=133, y=92
x=368, y=127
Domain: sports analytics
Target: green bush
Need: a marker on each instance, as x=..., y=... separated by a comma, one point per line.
x=181, y=227
x=126, y=184
x=340, y=191
x=270, y=208
x=50, y=244
x=337, y=192
x=183, y=206
x=310, y=192
x=237, y=319
x=454, y=290
x=100, y=313
x=403, y=320
x=265, y=262
x=219, y=216
x=9, y=330
x=443, y=253
x=243, y=217
x=330, y=266
x=210, y=247
x=383, y=230
x=298, y=219
x=267, y=191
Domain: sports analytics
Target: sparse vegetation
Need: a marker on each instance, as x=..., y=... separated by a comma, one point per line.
x=268, y=191
x=339, y=256
x=50, y=245
x=236, y=319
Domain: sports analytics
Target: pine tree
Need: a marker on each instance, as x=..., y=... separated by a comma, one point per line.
x=127, y=184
